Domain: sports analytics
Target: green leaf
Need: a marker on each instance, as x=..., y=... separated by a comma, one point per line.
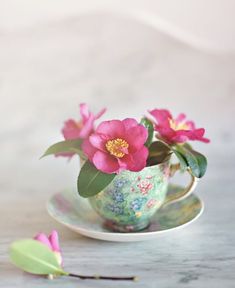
x=34, y=257
x=65, y=147
x=182, y=160
x=195, y=160
x=159, y=152
x=149, y=126
x=92, y=181
x=188, y=146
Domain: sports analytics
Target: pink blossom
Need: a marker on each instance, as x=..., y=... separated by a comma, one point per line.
x=117, y=145
x=151, y=203
x=145, y=186
x=80, y=129
x=52, y=242
x=176, y=130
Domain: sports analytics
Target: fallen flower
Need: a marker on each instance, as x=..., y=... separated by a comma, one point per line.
x=52, y=242
x=39, y=257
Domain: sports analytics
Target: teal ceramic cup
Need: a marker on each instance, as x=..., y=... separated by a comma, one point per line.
x=132, y=198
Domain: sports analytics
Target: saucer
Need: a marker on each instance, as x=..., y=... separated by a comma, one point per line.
x=74, y=212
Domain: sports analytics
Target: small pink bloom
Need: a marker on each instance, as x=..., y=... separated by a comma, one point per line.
x=176, y=130
x=117, y=145
x=52, y=242
x=80, y=129
x=149, y=177
x=145, y=186
x=151, y=203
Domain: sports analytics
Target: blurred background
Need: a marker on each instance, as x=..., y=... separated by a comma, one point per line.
x=128, y=56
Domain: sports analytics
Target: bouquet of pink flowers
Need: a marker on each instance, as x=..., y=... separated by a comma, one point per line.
x=117, y=145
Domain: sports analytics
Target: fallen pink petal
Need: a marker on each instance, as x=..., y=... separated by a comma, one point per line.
x=52, y=242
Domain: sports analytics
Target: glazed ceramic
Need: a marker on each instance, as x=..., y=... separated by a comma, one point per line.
x=76, y=213
x=132, y=198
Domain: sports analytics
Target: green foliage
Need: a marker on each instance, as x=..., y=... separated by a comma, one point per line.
x=34, y=257
x=66, y=146
x=149, y=126
x=92, y=181
x=182, y=160
x=193, y=159
x=158, y=152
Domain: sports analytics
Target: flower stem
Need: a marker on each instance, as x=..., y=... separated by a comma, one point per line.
x=97, y=277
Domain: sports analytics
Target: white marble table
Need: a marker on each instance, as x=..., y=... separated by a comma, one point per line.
x=45, y=72
x=200, y=255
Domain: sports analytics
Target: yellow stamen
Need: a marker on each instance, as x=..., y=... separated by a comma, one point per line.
x=178, y=126
x=115, y=147
x=79, y=124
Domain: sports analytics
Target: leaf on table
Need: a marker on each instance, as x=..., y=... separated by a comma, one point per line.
x=34, y=257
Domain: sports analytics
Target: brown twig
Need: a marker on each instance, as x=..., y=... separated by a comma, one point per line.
x=97, y=277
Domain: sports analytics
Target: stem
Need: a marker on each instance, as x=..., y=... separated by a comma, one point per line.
x=97, y=277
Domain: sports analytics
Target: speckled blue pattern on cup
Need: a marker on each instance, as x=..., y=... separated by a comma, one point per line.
x=132, y=198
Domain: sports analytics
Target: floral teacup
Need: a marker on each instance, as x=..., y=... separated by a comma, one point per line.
x=132, y=198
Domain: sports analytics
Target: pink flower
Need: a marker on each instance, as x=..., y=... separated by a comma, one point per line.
x=145, y=186
x=52, y=242
x=151, y=203
x=117, y=145
x=80, y=129
x=176, y=130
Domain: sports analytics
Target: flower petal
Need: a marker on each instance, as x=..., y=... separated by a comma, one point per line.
x=71, y=130
x=84, y=111
x=129, y=123
x=162, y=116
x=88, y=149
x=180, y=117
x=41, y=237
x=198, y=134
x=181, y=136
x=105, y=162
x=135, y=162
x=98, y=115
x=136, y=137
x=190, y=124
x=113, y=128
x=54, y=240
x=87, y=128
x=98, y=141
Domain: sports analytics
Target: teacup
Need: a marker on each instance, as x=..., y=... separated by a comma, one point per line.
x=132, y=198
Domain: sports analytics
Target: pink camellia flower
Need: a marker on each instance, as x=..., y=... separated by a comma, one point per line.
x=52, y=242
x=176, y=130
x=80, y=129
x=117, y=145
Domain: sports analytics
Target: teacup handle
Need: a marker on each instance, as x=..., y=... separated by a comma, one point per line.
x=186, y=192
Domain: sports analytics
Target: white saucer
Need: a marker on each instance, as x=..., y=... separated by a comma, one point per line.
x=76, y=213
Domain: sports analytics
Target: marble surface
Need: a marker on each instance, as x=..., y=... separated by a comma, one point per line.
x=45, y=71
